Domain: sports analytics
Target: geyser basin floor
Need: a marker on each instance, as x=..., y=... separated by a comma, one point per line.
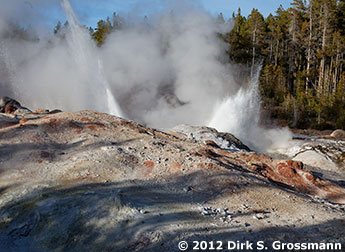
x=91, y=181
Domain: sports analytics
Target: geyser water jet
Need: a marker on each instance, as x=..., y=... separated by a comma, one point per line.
x=7, y=68
x=240, y=114
x=62, y=71
x=89, y=65
x=173, y=71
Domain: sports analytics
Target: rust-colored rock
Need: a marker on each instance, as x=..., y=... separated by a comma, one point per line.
x=41, y=111
x=286, y=170
x=211, y=143
x=148, y=167
x=149, y=164
x=289, y=173
x=92, y=127
x=144, y=185
x=9, y=109
x=8, y=105
x=175, y=165
x=22, y=121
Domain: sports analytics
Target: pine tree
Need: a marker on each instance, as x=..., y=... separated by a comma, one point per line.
x=238, y=40
x=220, y=19
x=256, y=31
x=101, y=32
x=57, y=28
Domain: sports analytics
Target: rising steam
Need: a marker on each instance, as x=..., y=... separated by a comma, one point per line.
x=167, y=71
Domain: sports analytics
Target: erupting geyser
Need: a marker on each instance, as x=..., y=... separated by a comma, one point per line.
x=63, y=72
x=89, y=65
x=166, y=71
x=240, y=115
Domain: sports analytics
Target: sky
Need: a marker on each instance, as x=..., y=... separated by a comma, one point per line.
x=90, y=11
x=227, y=7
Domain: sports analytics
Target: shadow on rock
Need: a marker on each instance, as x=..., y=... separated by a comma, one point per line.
x=134, y=215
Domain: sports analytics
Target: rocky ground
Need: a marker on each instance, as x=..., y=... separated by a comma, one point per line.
x=90, y=181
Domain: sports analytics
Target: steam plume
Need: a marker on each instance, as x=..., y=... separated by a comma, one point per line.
x=167, y=71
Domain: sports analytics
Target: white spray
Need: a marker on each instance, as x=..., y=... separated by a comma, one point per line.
x=89, y=65
x=170, y=71
x=240, y=115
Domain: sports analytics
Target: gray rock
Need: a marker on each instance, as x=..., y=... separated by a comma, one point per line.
x=223, y=140
x=53, y=202
x=338, y=134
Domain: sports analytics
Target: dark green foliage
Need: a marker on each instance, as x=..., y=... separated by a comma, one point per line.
x=301, y=49
x=99, y=34
x=303, y=53
x=273, y=85
x=238, y=40
x=57, y=28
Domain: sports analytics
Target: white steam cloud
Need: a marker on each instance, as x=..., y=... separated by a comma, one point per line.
x=168, y=71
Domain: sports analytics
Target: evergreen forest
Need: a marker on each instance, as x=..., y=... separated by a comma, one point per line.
x=301, y=49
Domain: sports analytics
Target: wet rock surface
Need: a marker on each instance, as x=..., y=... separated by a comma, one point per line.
x=90, y=181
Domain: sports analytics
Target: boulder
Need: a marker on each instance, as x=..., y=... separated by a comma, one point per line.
x=207, y=135
x=8, y=105
x=316, y=159
x=11, y=106
x=338, y=134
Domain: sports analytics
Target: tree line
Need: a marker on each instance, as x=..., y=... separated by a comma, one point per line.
x=302, y=49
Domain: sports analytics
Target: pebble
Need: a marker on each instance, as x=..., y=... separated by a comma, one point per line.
x=244, y=206
x=259, y=216
x=205, y=212
x=188, y=189
x=217, y=212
